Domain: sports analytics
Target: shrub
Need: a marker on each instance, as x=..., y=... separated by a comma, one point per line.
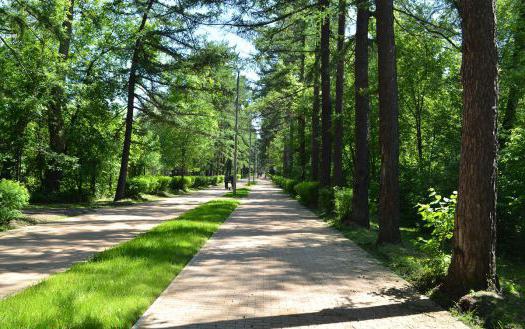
x=200, y=181
x=308, y=193
x=289, y=185
x=179, y=183
x=137, y=185
x=326, y=200
x=67, y=196
x=147, y=184
x=13, y=197
x=439, y=216
x=163, y=184
x=342, y=202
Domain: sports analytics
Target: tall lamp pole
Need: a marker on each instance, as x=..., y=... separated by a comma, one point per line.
x=234, y=182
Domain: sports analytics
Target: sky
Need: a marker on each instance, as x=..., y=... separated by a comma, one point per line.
x=242, y=46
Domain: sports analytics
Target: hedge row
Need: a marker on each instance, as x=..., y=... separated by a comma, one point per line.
x=331, y=201
x=13, y=197
x=159, y=184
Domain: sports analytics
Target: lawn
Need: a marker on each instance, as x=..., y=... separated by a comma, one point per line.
x=114, y=288
x=241, y=193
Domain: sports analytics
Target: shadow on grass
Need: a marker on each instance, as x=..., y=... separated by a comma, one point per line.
x=116, y=286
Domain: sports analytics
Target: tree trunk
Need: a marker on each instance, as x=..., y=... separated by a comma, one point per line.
x=473, y=265
x=388, y=125
x=326, y=101
x=57, y=145
x=291, y=149
x=419, y=136
x=301, y=120
x=121, y=185
x=339, y=94
x=315, y=120
x=360, y=214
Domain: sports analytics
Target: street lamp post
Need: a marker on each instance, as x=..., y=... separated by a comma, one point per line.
x=234, y=182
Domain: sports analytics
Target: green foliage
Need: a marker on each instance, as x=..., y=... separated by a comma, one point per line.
x=342, y=202
x=181, y=183
x=65, y=196
x=326, y=201
x=287, y=184
x=160, y=184
x=308, y=193
x=13, y=197
x=511, y=195
x=240, y=193
x=439, y=216
x=114, y=288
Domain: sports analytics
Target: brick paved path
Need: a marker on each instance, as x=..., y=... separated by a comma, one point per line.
x=30, y=254
x=273, y=264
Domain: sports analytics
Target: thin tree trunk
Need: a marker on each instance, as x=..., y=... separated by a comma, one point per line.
x=121, y=185
x=360, y=213
x=291, y=149
x=339, y=94
x=315, y=120
x=326, y=101
x=388, y=125
x=473, y=265
x=53, y=175
x=301, y=120
x=419, y=136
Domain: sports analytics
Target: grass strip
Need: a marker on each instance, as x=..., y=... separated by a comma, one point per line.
x=241, y=193
x=115, y=287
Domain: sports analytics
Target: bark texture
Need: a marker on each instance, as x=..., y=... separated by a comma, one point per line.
x=388, y=125
x=338, y=178
x=55, y=117
x=315, y=121
x=473, y=265
x=301, y=120
x=132, y=81
x=326, y=99
x=360, y=214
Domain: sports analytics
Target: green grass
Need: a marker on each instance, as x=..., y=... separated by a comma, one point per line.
x=425, y=271
x=114, y=288
x=241, y=193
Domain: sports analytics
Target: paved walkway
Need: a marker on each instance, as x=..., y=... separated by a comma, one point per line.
x=30, y=254
x=274, y=264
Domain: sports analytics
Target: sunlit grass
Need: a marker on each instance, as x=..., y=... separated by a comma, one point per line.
x=241, y=193
x=114, y=288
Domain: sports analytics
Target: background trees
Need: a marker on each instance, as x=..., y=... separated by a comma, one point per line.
x=73, y=69
x=95, y=91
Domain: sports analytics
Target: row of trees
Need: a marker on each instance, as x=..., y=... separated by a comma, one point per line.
x=72, y=70
x=425, y=87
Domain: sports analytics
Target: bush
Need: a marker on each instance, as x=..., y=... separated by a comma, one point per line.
x=137, y=185
x=342, y=202
x=67, y=196
x=326, y=200
x=308, y=193
x=286, y=184
x=200, y=181
x=179, y=183
x=439, y=216
x=148, y=185
x=163, y=184
x=13, y=197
